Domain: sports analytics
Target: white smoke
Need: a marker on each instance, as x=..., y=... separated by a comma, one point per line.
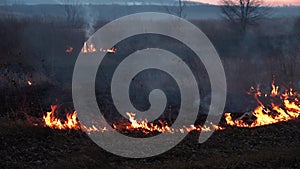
x=90, y=20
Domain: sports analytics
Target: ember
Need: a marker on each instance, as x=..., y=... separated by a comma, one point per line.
x=29, y=83
x=69, y=49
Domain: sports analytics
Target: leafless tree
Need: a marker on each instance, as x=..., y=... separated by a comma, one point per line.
x=244, y=12
x=181, y=6
x=297, y=26
x=72, y=11
x=18, y=2
x=177, y=8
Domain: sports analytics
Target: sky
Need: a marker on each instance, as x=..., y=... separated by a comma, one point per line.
x=269, y=2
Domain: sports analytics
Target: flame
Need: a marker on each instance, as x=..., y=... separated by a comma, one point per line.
x=112, y=50
x=94, y=129
x=146, y=127
x=274, y=91
x=71, y=122
x=90, y=48
x=69, y=49
x=289, y=109
x=143, y=126
x=29, y=83
x=53, y=122
x=84, y=49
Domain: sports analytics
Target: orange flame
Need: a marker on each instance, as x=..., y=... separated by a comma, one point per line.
x=112, y=50
x=143, y=125
x=53, y=122
x=90, y=48
x=266, y=115
x=275, y=89
x=146, y=127
x=262, y=115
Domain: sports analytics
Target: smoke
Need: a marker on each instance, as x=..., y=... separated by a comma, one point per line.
x=90, y=20
x=82, y=12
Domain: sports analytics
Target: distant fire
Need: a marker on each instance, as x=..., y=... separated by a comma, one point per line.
x=90, y=48
x=69, y=49
x=29, y=83
x=287, y=108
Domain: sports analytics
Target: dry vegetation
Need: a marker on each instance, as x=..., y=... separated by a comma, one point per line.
x=34, y=49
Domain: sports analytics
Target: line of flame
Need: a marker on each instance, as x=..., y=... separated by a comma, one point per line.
x=263, y=115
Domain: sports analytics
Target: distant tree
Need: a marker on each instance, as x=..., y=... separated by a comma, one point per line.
x=181, y=6
x=297, y=26
x=177, y=9
x=18, y=2
x=72, y=11
x=244, y=12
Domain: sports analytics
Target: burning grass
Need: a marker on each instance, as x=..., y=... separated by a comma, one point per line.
x=51, y=121
x=241, y=143
x=271, y=146
x=90, y=48
x=272, y=108
x=278, y=107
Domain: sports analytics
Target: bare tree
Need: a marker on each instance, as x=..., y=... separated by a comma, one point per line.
x=177, y=8
x=181, y=6
x=72, y=11
x=18, y=2
x=244, y=12
x=297, y=26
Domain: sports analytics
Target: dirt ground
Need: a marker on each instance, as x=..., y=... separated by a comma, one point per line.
x=275, y=146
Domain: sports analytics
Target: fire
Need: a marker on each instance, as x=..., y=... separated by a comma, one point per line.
x=147, y=127
x=51, y=121
x=275, y=89
x=94, y=129
x=29, y=83
x=288, y=109
x=90, y=48
x=143, y=126
x=69, y=49
x=112, y=50
x=71, y=122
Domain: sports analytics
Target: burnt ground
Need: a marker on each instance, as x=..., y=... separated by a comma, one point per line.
x=275, y=146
